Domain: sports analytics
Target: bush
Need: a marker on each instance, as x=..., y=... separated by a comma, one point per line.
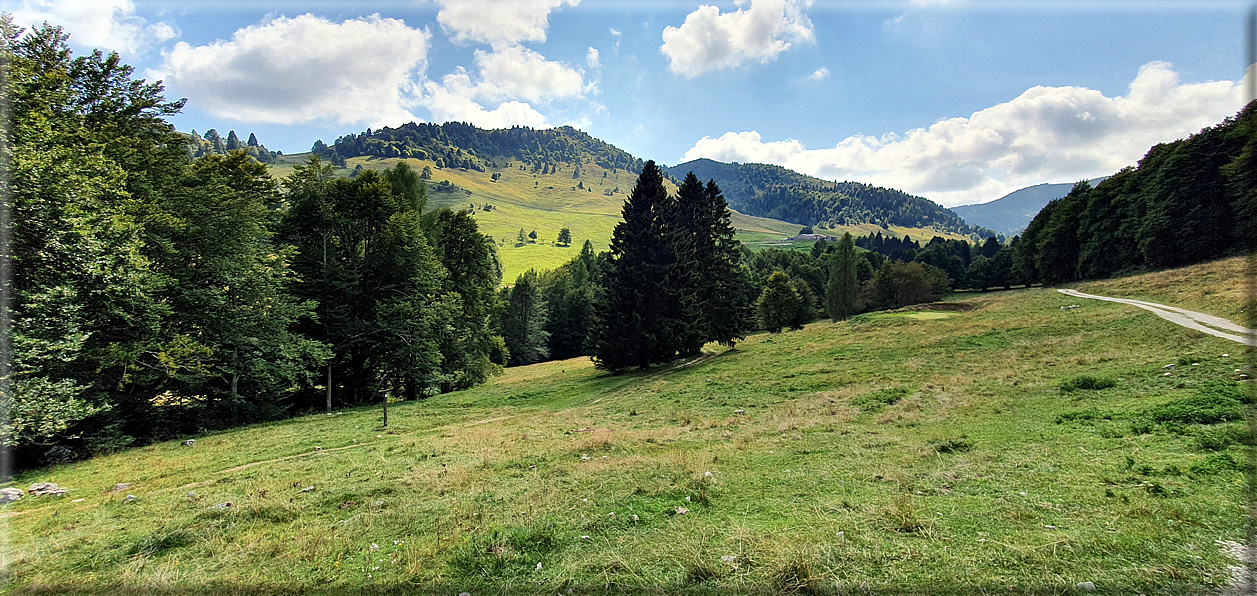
x=1086, y=383
x=1202, y=408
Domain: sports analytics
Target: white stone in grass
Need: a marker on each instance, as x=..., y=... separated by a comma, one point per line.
x=1167, y=374
x=634, y=518
x=739, y=412
x=687, y=498
x=612, y=514
x=9, y=495
x=1195, y=364
x=730, y=559
x=1049, y=527
x=78, y=500
x=1226, y=355
x=682, y=511
x=1022, y=493
x=308, y=489
x=538, y=565
x=1085, y=586
x=375, y=546
x=1168, y=367
x=584, y=537
x=707, y=474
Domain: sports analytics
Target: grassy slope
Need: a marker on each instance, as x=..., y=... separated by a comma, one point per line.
x=547, y=203
x=967, y=483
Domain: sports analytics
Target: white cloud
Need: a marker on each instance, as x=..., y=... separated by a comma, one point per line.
x=452, y=100
x=303, y=69
x=709, y=40
x=591, y=59
x=1047, y=134
x=104, y=24
x=517, y=72
x=498, y=21
x=819, y=74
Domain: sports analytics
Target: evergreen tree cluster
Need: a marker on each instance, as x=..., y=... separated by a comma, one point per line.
x=776, y=192
x=154, y=294
x=674, y=279
x=461, y=145
x=1188, y=201
x=214, y=144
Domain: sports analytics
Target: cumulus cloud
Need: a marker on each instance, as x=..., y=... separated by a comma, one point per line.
x=591, y=58
x=819, y=74
x=1047, y=134
x=498, y=21
x=453, y=100
x=104, y=24
x=518, y=72
x=303, y=69
x=709, y=40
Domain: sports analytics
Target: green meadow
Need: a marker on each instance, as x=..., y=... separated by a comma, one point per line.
x=546, y=203
x=1007, y=447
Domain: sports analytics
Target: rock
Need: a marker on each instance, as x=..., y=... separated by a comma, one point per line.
x=1167, y=374
x=1168, y=367
x=9, y=495
x=1195, y=364
x=308, y=489
x=584, y=537
x=1243, y=377
x=40, y=489
x=221, y=506
x=538, y=565
x=121, y=486
x=682, y=510
x=739, y=412
x=318, y=448
x=1085, y=586
x=1226, y=355
x=79, y=500
x=634, y=518
x=129, y=499
x=189, y=443
x=730, y=559
x=375, y=546
x=58, y=455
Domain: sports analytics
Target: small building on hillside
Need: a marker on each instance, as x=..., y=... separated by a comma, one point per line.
x=811, y=238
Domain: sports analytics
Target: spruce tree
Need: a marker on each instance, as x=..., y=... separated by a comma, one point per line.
x=843, y=285
x=629, y=332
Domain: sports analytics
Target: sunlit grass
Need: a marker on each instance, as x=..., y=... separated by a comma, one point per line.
x=917, y=456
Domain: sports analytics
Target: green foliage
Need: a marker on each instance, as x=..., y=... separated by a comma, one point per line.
x=843, y=283
x=1213, y=404
x=524, y=322
x=776, y=192
x=779, y=304
x=1086, y=383
x=565, y=237
x=1187, y=202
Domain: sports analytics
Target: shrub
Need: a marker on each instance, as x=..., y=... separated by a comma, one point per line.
x=1086, y=383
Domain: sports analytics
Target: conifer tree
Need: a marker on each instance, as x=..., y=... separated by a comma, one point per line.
x=629, y=333
x=843, y=285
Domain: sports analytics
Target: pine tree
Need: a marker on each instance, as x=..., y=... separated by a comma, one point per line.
x=629, y=333
x=565, y=237
x=843, y=285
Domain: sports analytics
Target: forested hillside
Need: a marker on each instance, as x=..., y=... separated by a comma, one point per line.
x=214, y=144
x=460, y=145
x=1188, y=201
x=779, y=193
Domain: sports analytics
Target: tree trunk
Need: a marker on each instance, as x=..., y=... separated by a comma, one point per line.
x=329, y=386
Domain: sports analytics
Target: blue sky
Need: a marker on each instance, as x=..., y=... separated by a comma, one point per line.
x=958, y=101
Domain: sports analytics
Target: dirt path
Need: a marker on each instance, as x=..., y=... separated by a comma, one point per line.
x=1215, y=326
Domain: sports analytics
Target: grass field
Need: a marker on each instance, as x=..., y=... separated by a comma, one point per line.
x=547, y=203
x=1012, y=448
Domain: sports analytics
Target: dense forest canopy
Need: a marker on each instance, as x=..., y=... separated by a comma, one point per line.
x=776, y=192
x=155, y=294
x=461, y=145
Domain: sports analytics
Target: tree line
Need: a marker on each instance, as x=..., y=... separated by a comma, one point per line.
x=213, y=143
x=154, y=294
x=773, y=191
x=1188, y=201
x=461, y=145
